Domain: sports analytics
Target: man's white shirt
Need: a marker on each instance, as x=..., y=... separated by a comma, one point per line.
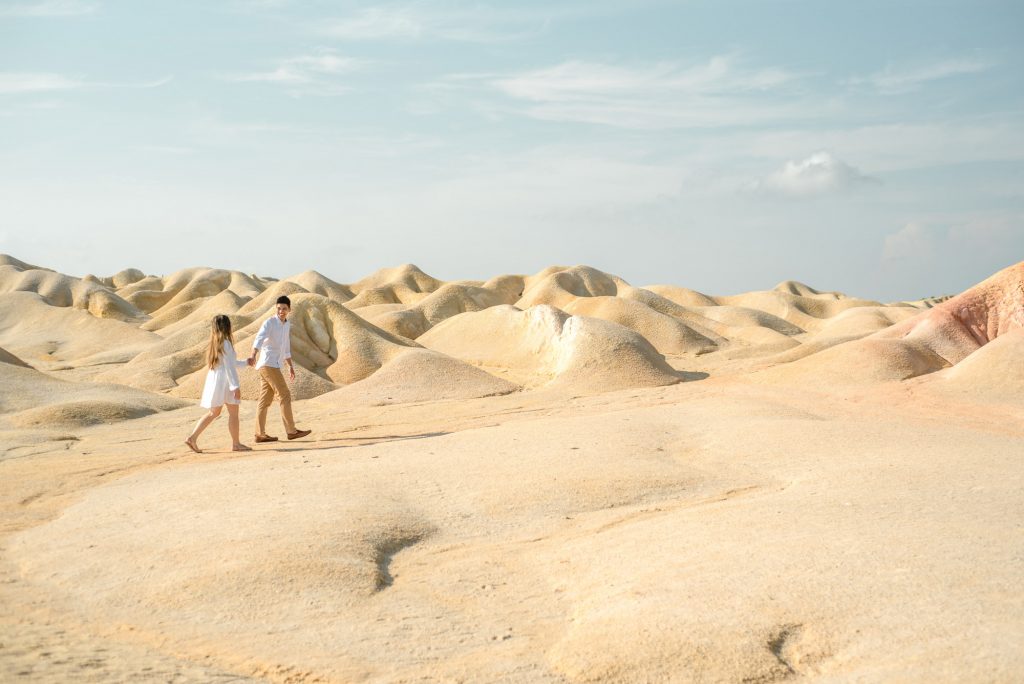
x=274, y=340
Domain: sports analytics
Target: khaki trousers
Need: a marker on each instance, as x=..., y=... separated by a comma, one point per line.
x=271, y=383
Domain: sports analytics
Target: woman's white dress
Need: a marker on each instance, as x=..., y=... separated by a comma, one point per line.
x=222, y=381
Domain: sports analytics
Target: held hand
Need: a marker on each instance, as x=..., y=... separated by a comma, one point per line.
x=238, y=394
x=251, y=361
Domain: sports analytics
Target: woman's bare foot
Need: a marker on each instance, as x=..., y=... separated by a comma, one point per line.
x=193, y=446
x=241, y=447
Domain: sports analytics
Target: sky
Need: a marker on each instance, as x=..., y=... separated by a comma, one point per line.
x=872, y=147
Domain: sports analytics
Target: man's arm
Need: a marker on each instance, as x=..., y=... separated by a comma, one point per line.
x=287, y=352
x=261, y=337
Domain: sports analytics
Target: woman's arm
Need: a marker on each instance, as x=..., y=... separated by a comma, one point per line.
x=231, y=366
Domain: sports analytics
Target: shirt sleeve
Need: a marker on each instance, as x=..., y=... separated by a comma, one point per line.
x=230, y=366
x=261, y=336
x=287, y=346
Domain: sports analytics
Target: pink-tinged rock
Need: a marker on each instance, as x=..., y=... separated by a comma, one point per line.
x=957, y=327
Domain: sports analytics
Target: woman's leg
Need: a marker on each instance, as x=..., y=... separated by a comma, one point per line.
x=236, y=444
x=203, y=423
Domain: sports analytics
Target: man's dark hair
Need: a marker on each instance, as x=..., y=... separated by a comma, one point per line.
x=284, y=300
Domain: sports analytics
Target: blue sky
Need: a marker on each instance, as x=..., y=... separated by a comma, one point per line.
x=873, y=147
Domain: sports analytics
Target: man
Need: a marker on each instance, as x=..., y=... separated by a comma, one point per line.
x=273, y=345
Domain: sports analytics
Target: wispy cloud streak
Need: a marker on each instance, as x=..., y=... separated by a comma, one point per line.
x=718, y=92
x=901, y=79
x=478, y=24
x=303, y=69
x=13, y=83
x=49, y=8
x=314, y=74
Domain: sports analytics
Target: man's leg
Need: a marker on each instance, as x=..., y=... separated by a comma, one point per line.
x=266, y=398
x=284, y=395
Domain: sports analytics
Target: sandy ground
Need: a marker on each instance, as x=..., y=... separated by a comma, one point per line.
x=709, y=531
x=769, y=514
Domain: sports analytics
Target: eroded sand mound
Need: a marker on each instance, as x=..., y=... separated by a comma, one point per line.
x=57, y=289
x=47, y=336
x=861, y=361
x=995, y=372
x=958, y=326
x=544, y=345
x=318, y=283
x=31, y=399
x=669, y=335
x=152, y=292
x=330, y=340
x=936, y=338
x=443, y=303
x=562, y=286
x=402, y=285
x=420, y=375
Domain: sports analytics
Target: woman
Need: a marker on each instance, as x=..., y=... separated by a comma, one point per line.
x=222, y=387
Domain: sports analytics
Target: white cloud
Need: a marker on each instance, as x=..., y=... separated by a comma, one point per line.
x=305, y=70
x=892, y=147
x=49, y=8
x=817, y=174
x=901, y=79
x=912, y=241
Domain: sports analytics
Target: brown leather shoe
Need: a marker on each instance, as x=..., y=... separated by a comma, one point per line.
x=264, y=439
x=299, y=433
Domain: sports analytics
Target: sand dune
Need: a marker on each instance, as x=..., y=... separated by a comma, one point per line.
x=557, y=287
x=681, y=295
x=510, y=481
x=317, y=283
x=402, y=285
x=31, y=399
x=446, y=301
x=151, y=293
x=994, y=372
x=669, y=335
x=61, y=290
x=420, y=375
x=52, y=337
x=544, y=345
x=936, y=338
x=958, y=326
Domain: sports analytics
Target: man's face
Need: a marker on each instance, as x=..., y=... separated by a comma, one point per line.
x=282, y=312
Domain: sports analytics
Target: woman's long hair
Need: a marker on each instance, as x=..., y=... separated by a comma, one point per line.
x=220, y=331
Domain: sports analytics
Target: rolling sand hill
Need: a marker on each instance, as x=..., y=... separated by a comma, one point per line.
x=557, y=477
